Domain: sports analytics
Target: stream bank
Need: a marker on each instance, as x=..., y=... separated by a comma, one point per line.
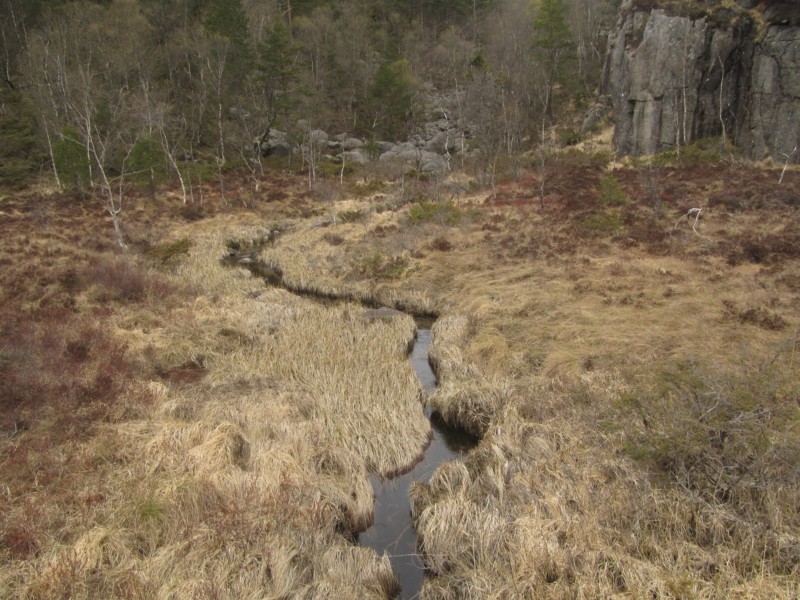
x=392, y=531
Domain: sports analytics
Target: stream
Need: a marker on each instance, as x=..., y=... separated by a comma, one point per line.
x=392, y=532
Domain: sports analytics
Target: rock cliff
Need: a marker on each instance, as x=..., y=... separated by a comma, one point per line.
x=678, y=72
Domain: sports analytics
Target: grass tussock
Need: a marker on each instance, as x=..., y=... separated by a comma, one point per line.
x=464, y=398
x=247, y=479
x=386, y=397
x=640, y=373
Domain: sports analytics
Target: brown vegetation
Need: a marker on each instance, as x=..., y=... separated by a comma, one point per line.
x=172, y=426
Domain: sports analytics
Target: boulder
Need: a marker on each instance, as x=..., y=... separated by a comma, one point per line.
x=352, y=144
x=423, y=161
x=274, y=144
x=382, y=147
x=433, y=163
x=319, y=137
x=444, y=141
x=356, y=157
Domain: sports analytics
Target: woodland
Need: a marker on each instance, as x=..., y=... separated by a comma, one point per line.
x=151, y=90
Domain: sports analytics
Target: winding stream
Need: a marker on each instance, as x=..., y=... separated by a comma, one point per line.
x=392, y=531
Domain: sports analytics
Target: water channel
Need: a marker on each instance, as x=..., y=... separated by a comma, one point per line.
x=392, y=532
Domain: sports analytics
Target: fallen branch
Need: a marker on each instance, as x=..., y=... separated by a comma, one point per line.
x=786, y=164
x=692, y=211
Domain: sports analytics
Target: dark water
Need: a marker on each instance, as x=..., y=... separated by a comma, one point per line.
x=392, y=531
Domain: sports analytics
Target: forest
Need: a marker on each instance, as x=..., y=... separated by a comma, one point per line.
x=153, y=90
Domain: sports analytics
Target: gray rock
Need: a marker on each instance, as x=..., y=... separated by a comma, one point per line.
x=410, y=154
x=433, y=163
x=275, y=144
x=443, y=124
x=319, y=137
x=352, y=144
x=665, y=76
x=355, y=156
x=444, y=141
x=422, y=160
x=382, y=147
x=773, y=126
x=594, y=116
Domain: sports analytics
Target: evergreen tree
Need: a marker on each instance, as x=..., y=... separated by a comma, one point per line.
x=227, y=19
x=553, y=46
x=276, y=73
x=19, y=153
x=71, y=160
x=393, y=93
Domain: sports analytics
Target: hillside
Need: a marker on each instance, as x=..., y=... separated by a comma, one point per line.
x=226, y=225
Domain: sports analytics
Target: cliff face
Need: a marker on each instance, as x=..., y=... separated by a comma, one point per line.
x=675, y=78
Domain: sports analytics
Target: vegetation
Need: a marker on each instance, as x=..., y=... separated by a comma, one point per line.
x=110, y=83
x=173, y=424
x=445, y=213
x=634, y=389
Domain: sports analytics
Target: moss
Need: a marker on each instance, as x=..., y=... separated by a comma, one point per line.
x=350, y=216
x=601, y=224
x=611, y=193
x=379, y=266
x=705, y=151
x=367, y=188
x=328, y=168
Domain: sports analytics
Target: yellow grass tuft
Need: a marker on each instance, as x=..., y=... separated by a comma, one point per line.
x=464, y=398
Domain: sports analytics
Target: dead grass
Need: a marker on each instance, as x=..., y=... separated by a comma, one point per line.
x=247, y=480
x=580, y=335
x=635, y=389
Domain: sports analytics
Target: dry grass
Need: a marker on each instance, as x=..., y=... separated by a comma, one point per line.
x=634, y=385
x=246, y=470
x=635, y=389
x=464, y=398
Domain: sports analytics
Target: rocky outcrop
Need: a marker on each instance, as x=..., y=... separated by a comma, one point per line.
x=675, y=78
x=428, y=150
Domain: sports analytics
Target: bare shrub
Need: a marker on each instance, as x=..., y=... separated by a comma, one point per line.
x=115, y=280
x=441, y=244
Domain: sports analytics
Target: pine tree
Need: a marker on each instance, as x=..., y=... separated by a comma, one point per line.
x=553, y=46
x=19, y=154
x=276, y=72
x=393, y=93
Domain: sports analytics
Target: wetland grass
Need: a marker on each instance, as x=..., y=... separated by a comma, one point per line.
x=635, y=393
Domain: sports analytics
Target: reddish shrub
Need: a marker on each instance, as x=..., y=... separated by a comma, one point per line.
x=118, y=281
x=441, y=243
x=19, y=542
x=65, y=363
